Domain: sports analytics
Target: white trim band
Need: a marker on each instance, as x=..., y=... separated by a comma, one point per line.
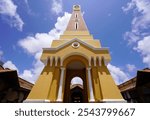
x=36, y=101
x=90, y=85
x=59, y=97
x=114, y=101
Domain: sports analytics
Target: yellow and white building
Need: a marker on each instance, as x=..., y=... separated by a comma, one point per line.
x=75, y=54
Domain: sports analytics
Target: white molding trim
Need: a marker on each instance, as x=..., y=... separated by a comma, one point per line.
x=90, y=85
x=56, y=61
x=61, y=62
x=99, y=61
x=59, y=96
x=75, y=53
x=89, y=61
x=75, y=40
x=94, y=61
x=36, y=101
x=52, y=60
x=114, y=101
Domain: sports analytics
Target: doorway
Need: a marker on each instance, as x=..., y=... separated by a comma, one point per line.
x=76, y=90
x=75, y=84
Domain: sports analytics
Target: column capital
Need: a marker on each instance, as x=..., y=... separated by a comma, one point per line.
x=62, y=68
x=88, y=68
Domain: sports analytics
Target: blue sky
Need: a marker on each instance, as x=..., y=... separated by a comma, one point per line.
x=26, y=26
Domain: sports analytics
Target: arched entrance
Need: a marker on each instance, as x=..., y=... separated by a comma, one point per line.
x=75, y=92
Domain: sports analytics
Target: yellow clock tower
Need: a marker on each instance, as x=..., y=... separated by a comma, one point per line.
x=75, y=56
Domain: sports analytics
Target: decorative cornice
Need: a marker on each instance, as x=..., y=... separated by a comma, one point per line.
x=74, y=40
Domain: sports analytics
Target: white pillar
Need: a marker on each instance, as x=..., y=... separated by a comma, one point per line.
x=51, y=61
x=99, y=61
x=90, y=61
x=56, y=61
x=94, y=61
x=59, y=97
x=90, y=85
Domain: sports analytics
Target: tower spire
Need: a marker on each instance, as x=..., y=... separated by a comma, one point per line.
x=76, y=22
x=76, y=27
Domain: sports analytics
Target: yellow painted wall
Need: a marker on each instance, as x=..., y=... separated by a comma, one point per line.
x=47, y=85
x=108, y=86
x=53, y=90
x=94, y=43
x=76, y=33
x=83, y=37
x=41, y=88
x=96, y=84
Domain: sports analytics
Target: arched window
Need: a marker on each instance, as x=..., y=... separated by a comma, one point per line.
x=76, y=89
x=76, y=15
x=76, y=25
x=76, y=80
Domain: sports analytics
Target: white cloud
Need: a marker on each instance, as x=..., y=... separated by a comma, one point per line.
x=118, y=75
x=140, y=28
x=143, y=46
x=130, y=67
x=130, y=5
x=10, y=65
x=9, y=10
x=141, y=20
x=36, y=43
x=131, y=37
x=33, y=73
x=57, y=6
x=33, y=45
x=27, y=75
x=28, y=9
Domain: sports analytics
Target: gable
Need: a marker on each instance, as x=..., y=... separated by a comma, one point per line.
x=67, y=49
x=57, y=45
